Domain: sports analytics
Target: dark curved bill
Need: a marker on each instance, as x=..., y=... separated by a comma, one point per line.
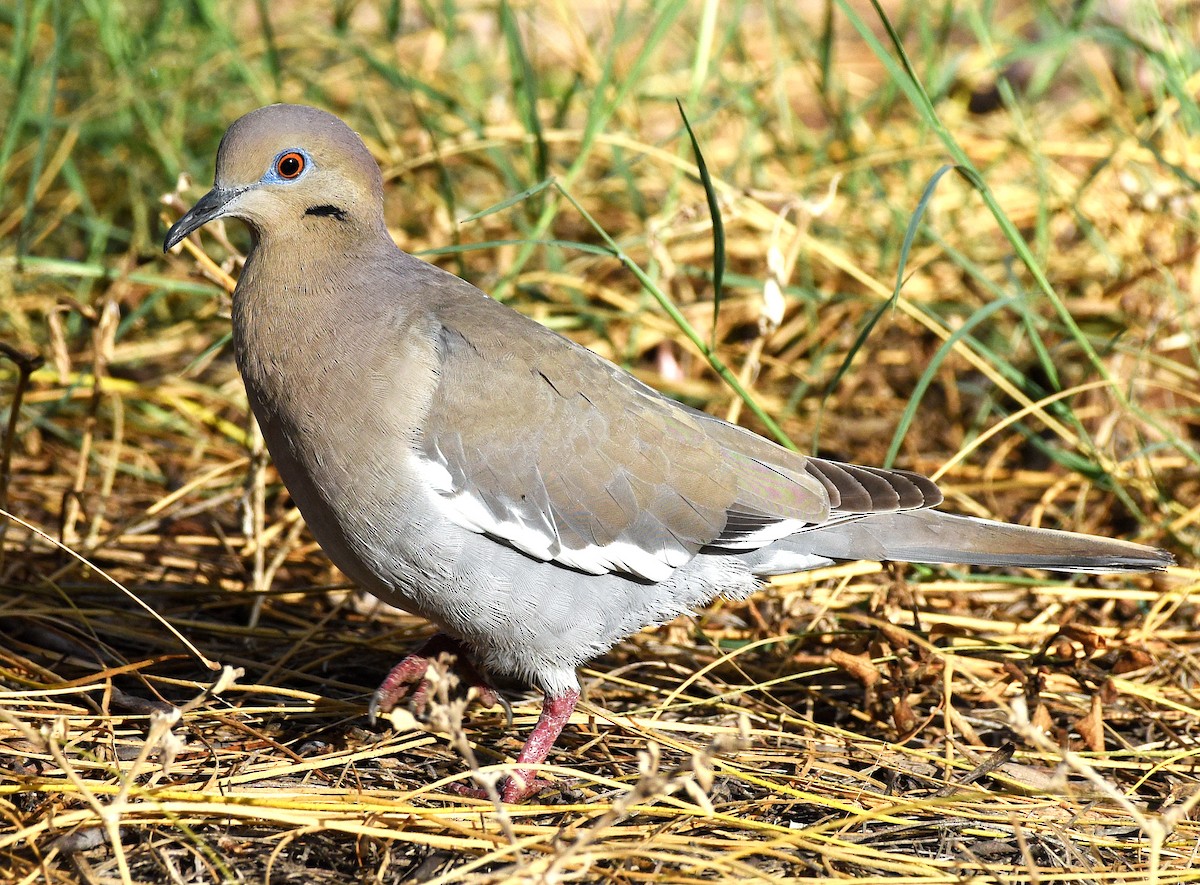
x=211, y=205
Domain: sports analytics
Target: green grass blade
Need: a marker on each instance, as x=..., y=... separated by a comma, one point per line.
x=930, y=373
x=680, y=320
x=906, y=77
x=718, y=226
x=914, y=225
x=511, y=201
x=525, y=89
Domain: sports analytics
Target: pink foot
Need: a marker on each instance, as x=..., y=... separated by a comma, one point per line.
x=411, y=672
x=556, y=710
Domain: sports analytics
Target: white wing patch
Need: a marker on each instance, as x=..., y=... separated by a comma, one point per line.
x=470, y=512
x=622, y=556
x=761, y=537
x=538, y=537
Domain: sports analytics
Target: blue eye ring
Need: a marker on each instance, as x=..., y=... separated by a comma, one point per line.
x=290, y=165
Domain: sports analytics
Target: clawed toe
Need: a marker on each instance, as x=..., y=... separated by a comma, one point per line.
x=513, y=790
x=407, y=676
x=409, y=679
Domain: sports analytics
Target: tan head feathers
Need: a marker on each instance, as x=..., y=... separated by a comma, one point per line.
x=283, y=163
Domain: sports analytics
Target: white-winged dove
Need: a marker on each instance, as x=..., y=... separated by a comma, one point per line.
x=531, y=499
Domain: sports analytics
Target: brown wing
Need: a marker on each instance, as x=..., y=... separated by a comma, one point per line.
x=546, y=446
x=541, y=443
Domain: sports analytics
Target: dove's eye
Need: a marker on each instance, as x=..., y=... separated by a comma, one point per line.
x=290, y=165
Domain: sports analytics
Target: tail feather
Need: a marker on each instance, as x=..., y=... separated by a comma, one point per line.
x=929, y=536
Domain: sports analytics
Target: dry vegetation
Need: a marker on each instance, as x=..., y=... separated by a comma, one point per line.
x=921, y=725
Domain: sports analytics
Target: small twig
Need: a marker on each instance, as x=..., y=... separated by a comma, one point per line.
x=104, y=327
x=26, y=366
x=984, y=768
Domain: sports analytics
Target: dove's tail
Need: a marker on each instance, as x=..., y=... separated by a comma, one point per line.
x=930, y=536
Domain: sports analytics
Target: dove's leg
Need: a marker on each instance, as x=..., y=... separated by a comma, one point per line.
x=409, y=676
x=556, y=712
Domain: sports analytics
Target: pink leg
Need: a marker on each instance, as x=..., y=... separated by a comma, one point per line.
x=411, y=671
x=556, y=711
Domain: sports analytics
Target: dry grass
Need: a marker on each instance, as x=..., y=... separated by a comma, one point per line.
x=862, y=721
